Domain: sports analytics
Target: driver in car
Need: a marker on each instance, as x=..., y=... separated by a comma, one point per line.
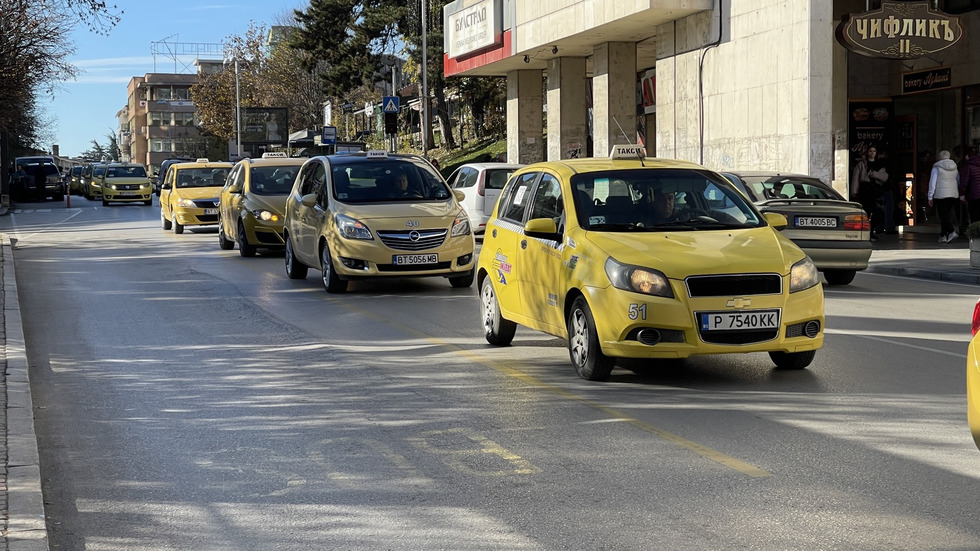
x=660, y=206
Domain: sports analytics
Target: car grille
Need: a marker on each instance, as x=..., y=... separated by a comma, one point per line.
x=734, y=285
x=206, y=203
x=413, y=240
x=128, y=187
x=204, y=218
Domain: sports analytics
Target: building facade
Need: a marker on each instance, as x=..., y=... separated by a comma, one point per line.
x=746, y=85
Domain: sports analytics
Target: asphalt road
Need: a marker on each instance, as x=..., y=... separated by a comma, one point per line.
x=188, y=398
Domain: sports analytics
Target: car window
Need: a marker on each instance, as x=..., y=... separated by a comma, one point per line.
x=99, y=171
x=515, y=200
x=202, y=177
x=273, y=180
x=126, y=172
x=313, y=174
x=547, y=199
x=497, y=178
x=781, y=187
x=659, y=199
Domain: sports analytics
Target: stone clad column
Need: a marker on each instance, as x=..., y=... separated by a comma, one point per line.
x=525, y=126
x=614, y=95
x=568, y=125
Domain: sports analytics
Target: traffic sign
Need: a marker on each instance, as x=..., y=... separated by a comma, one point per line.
x=390, y=104
x=328, y=135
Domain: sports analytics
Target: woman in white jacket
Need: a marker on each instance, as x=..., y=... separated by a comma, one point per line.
x=944, y=184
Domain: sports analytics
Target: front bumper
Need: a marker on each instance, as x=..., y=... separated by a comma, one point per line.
x=361, y=258
x=186, y=216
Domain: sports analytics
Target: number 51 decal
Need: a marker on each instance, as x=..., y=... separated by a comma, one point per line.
x=637, y=311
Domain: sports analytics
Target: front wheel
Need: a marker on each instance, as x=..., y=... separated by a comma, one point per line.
x=244, y=247
x=839, y=277
x=178, y=227
x=497, y=330
x=331, y=281
x=294, y=268
x=792, y=360
x=459, y=282
x=583, y=344
x=163, y=219
x=224, y=243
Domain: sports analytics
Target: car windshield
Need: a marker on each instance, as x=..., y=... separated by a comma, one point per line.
x=202, y=177
x=125, y=172
x=273, y=180
x=387, y=180
x=782, y=187
x=660, y=200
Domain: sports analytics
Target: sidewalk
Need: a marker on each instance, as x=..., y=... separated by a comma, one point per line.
x=913, y=253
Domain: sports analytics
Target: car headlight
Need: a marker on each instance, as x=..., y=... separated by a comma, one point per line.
x=803, y=275
x=111, y=186
x=187, y=203
x=461, y=225
x=638, y=279
x=352, y=229
x=266, y=215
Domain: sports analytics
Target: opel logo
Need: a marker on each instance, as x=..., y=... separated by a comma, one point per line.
x=414, y=235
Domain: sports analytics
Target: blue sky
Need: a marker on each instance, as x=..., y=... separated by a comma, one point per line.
x=85, y=109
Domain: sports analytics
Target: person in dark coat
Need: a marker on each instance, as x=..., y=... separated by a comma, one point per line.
x=39, y=180
x=970, y=183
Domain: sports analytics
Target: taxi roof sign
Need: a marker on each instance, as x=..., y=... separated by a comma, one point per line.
x=377, y=154
x=274, y=155
x=627, y=151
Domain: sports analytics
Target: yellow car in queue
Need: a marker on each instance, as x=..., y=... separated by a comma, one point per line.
x=253, y=203
x=973, y=377
x=190, y=193
x=369, y=215
x=638, y=257
x=92, y=181
x=126, y=182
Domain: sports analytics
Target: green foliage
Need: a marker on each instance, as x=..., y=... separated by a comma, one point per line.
x=973, y=230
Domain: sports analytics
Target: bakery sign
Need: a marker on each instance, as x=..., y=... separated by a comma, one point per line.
x=899, y=30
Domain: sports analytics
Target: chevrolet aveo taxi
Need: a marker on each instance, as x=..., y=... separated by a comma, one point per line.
x=189, y=194
x=368, y=215
x=637, y=257
x=253, y=203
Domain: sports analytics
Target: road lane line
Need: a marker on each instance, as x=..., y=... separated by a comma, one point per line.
x=702, y=450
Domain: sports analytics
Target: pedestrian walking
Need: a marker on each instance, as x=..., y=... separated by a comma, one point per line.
x=18, y=182
x=944, y=183
x=970, y=183
x=864, y=186
x=40, y=179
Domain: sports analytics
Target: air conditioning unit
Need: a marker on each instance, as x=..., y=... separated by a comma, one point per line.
x=142, y=95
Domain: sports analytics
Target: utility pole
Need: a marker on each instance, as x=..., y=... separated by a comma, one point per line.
x=425, y=81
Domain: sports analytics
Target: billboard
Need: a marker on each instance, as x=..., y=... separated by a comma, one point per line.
x=264, y=125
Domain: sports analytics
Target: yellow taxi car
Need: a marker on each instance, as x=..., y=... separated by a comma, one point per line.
x=126, y=182
x=253, y=203
x=371, y=214
x=189, y=194
x=92, y=180
x=973, y=377
x=637, y=257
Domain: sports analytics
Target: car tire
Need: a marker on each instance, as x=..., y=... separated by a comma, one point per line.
x=583, y=344
x=104, y=202
x=463, y=281
x=148, y=202
x=178, y=227
x=792, y=360
x=224, y=243
x=245, y=248
x=497, y=330
x=59, y=197
x=294, y=268
x=331, y=281
x=839, y=277
x=164, y=221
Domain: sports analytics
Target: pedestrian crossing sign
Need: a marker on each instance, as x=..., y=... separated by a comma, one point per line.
x=389, y=104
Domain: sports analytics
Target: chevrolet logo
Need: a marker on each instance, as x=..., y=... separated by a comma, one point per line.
x=739, y=303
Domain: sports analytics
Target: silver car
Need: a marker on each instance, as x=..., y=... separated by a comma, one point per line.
x=481, y=184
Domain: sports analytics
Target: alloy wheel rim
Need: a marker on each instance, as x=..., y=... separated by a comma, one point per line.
x=580, y=346
x=488, y=309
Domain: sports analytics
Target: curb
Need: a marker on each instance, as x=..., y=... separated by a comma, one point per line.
x=928, y=273
x=26, y=529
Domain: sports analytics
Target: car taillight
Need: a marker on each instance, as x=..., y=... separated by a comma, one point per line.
x=975, y=326
x=480, y=186
x=857, y=222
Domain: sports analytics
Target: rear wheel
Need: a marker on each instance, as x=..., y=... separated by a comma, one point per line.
x=792, y=360
x=163, y=220
x=224, y=243
x=331, y=281
x=244, y=247
x=839, y=277
x=294, y=268
x=497, y=330
x=583, y=344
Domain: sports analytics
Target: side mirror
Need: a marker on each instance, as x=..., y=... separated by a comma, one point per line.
x=544, y=228
x=308, y=200
x=459, y=195
x=776, y=220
